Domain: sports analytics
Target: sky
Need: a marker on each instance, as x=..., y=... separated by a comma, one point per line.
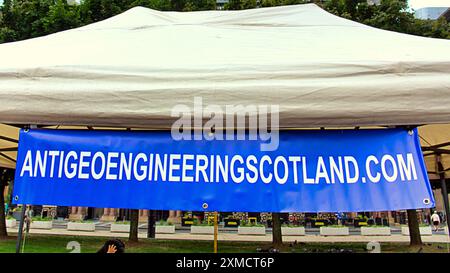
x=417, y=4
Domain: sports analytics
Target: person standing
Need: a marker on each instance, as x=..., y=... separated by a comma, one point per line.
x=28, y=218
x=436, y=220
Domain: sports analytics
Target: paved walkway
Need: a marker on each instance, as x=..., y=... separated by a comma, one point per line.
x=435, y=238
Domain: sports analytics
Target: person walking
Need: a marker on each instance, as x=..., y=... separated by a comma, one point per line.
x=436, y=220
x=27, y=218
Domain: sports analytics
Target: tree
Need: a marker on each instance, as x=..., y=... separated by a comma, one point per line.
x=177, y=5
x=243, y=4
x=29, y=17
x=249, y=4
x=61, y=16
x=392, y=15
x=152, y=4
x=268, y=3
x=414, y=231
x=438, y=29
x=233, y=5
x=134, y=225
x=189, y=6
x=90, y=11
x=6, y=175
x=6, y=13
x=7, y=35
x=208, y=5
x=24, y=19
x=159, y=4
x=277, y=238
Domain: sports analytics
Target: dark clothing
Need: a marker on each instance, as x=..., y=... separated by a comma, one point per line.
x=120, y=246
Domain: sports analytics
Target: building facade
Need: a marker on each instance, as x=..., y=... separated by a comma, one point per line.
x=431, y=13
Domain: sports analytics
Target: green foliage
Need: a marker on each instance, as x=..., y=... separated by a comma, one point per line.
x=362, y=217
x=290, y=225
x=24, y=19
x=241, y=4
x=392, y=15
x=250, y=224
x=82, y=221
x=61, y=17
x=7, y=35
x=389, y=15
x=41, y=219
x=420, y=225
x=436, y=29
x=164, y=223
x=122, y=222
x=273, y=3
x=202, y=223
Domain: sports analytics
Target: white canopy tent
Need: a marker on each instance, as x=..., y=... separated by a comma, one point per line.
x=321, y=70
x=132, y=69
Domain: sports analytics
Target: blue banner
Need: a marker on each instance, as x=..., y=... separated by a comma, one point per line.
x=311, y=171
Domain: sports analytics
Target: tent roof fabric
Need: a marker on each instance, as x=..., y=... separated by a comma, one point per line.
x=435, y=139
x=132, y=69
x=9, y=137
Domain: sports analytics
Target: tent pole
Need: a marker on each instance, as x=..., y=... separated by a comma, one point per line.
x=216, y=231
x=443, y=189
x=20, y=232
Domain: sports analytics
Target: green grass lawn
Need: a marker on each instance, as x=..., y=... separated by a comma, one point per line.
x=58, y=244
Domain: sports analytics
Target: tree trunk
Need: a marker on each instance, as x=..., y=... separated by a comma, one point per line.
x=134, y=224
x=414, y=231
x=277, y=238
x=3, y=232
x=151, y=224
x=3, y=183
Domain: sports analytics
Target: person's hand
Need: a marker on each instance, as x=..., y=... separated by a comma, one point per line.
x=112, y=249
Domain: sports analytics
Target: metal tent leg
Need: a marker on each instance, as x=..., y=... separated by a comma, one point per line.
x=443, y=190
x=20, y=233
